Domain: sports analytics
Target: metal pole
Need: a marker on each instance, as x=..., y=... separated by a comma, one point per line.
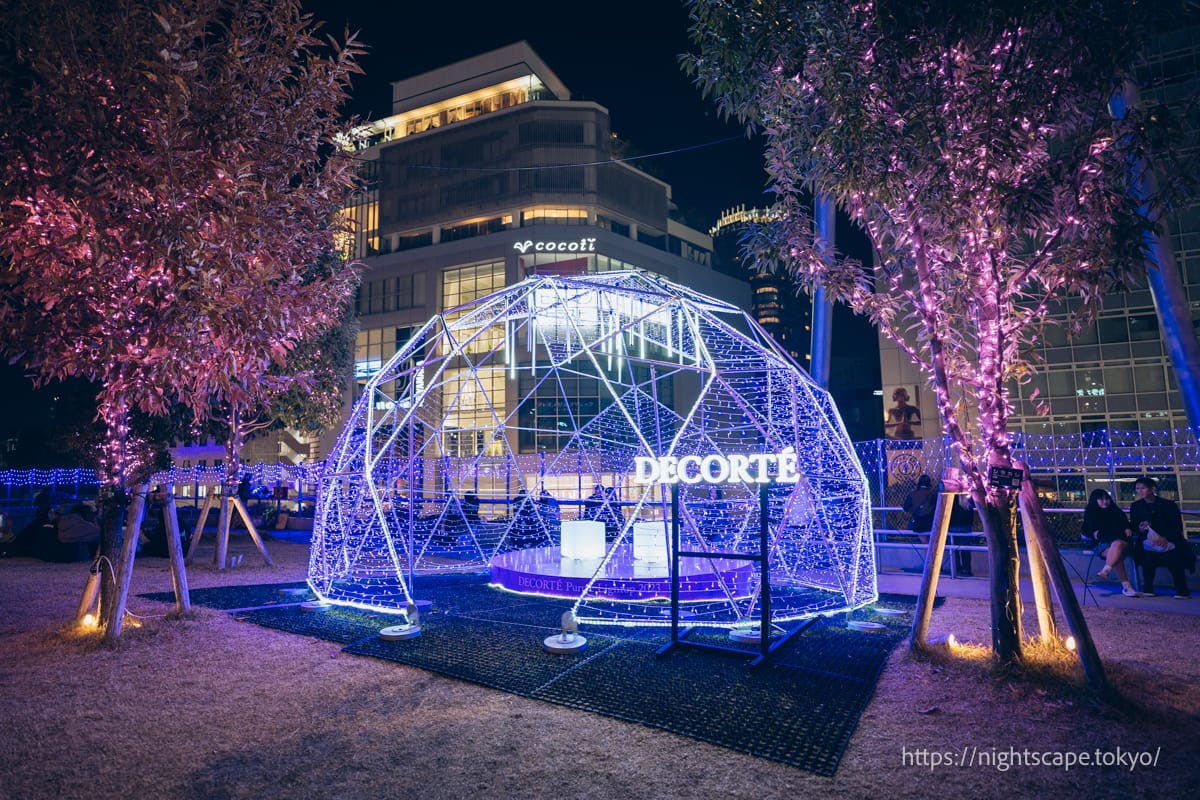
x=674, y=562
x=1166, y=285
x=822, y=325
x=764, y=622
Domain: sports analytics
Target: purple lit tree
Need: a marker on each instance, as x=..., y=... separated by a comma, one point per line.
x=166, y=188
x=975, y=146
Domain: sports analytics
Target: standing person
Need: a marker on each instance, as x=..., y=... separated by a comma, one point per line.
x=902, y=417
x=594, y=503
x=921, y=503
x=962, y=526
x=1105, y=522
x=1159, y=538
x=470, y=509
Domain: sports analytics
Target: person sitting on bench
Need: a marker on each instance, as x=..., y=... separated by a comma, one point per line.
x=1105, y=522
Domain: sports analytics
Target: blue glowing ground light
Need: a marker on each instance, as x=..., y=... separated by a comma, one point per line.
x=505, y=419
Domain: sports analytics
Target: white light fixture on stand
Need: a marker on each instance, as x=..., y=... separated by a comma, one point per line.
x=410, y=630
x=569, y=641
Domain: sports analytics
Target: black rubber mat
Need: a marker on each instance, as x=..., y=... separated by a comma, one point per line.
x=800, y=708
x=341, y=625
x=226, y=598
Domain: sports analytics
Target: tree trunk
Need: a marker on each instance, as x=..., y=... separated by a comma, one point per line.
x=1000, y=525
x=113, y=509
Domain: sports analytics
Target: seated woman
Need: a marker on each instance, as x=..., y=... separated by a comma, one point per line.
x=1105, y=522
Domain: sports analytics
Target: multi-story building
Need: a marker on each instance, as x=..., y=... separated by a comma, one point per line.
x=486, y=172
x=1112, y=385
x=776, y=303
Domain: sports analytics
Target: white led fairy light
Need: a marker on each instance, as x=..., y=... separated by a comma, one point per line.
x=427, y=483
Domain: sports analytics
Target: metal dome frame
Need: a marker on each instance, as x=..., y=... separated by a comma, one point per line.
x=602, y=370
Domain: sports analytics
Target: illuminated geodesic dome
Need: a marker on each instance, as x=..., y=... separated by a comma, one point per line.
x=504, y=426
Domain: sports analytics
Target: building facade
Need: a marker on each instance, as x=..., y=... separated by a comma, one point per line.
x=487, y=172
x=776, y=303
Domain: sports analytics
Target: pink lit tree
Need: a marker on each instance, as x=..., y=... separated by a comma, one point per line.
x=973, y=142
x=167, y=183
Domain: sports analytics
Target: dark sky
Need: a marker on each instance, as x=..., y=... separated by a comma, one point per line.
x=622, y=54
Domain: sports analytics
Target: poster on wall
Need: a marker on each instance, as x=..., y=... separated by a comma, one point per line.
x=903, y=420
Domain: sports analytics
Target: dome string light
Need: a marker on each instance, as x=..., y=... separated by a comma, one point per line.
x=433, y=474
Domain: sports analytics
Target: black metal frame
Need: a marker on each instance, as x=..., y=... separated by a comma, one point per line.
x=767, y=643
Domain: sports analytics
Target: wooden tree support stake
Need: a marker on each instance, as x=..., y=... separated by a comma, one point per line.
x=933, y=569
x=258, y=542
x=1039, y=577
x=113, y=617
x=198, y=533
x=1036, y=525
x=183, y=601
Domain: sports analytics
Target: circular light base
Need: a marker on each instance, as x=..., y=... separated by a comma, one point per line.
x=423, y=606
x=862, y=625
x=398, y=633
x=316, y=605
x=558, y=645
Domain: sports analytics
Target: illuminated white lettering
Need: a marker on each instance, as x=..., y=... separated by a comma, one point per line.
x=787, y=467
x=739, y=471
x=760, y=464
x=715, y=468
x=584, y=245
x=686, y=466
x=646, y=469
x=668, y=466
x=722, y=469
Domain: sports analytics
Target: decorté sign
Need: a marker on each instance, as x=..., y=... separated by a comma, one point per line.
x=716, y=468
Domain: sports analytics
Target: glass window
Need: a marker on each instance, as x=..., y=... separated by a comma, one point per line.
x=1112, y=329
x=1143, y=327
x=1115, y=352
x=1061, y=383
x=1149, y=378
x=1085, y=336
x=1122, y=402
x=1118, y=380
x=1153, y=402
x=475, y=403
x=464, y=284
x=1055, y=335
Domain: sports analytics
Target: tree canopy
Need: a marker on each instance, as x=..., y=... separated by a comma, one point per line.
x=166, y=186
x=975, y=145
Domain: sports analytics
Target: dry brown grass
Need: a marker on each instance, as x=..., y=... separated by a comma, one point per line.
x=207, y=707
